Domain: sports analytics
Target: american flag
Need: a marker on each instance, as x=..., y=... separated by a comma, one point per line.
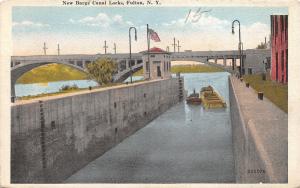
x=153, y=35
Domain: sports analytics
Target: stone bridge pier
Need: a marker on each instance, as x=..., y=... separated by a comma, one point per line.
x=224, y=61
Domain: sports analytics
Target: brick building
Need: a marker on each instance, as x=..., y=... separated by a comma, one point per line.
x=279, y=48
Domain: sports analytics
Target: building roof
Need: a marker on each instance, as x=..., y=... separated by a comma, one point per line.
x=155, y=50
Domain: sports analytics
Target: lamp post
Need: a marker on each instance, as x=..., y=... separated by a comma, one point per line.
x=135, y=38
x=240, y=44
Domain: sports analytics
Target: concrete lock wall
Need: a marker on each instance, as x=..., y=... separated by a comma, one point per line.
x=246, y=156
x=52, y=139
x=252, y=163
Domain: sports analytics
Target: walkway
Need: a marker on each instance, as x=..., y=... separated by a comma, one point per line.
x=181, y=146
x=268, y=125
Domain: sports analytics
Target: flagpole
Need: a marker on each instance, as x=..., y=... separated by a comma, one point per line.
x=148, y=43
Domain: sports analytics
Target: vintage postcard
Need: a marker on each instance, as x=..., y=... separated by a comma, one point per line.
x=143, y=92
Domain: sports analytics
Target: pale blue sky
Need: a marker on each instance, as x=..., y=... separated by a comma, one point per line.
x=83, y=29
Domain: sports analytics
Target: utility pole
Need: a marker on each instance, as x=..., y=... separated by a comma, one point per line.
x=115, y=48
x=178, y=45
x=58, y=49
x=45, y=48
x=265, y=41
x=174, y=45
x=105, y=47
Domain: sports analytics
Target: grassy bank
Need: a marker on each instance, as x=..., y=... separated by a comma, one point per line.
x=51, y=73
x=194, y=69
x=70, y=89
x=275, y=92
x=49, y=94
x=188, y=69
x=138, y=73
x=59, y=72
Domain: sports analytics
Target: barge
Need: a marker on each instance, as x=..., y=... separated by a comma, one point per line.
x=211, y=99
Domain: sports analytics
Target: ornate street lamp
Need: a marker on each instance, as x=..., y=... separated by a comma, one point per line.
x=135, y=38
x=240, y=44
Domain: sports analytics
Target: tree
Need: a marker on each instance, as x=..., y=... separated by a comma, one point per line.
x=262, y=46
x=102, y=70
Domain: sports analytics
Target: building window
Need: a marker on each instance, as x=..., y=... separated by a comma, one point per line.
x=122, y=65
x=286, y=27
x=167, y=65
x=147, y=66
x=286, y=64
x=132, y=63
x=276, y=26
x=158, y=71
x=282, y=66
x=154, y=62
x=276, y=68
x=79, y=63
x=139, y=61
x=281, y=23
x=268, y=63
x=249, y=70
x=152, y=55
x=53, y=126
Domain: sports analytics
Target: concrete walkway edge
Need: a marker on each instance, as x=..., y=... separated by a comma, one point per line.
x=259, y=136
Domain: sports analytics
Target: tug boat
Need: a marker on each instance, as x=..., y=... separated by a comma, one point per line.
x=193, y=98
x=211, y=99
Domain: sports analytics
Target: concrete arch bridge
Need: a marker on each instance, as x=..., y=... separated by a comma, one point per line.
x=252, y=62
x=22, y=64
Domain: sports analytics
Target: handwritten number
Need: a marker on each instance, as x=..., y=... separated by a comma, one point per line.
x=196, y=16
x=188, y=16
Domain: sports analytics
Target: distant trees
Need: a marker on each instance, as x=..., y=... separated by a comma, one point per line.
x=68, y=88
x=102, y=70
x=262, y=45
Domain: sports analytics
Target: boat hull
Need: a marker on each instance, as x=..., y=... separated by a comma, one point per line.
x=193, y=100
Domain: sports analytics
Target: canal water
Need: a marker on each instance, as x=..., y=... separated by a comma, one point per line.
x=52, y=87
x=186, y=144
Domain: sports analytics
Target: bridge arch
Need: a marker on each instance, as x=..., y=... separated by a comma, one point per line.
x=126, y=74
x=19, y=70
x=202, y=61
x=187, y=61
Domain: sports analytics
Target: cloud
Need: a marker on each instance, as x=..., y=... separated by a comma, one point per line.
x=30, y=24
x=255, y=33
x=102, y=20
x=197, y=21
x=197, y=33
x=204, y=32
